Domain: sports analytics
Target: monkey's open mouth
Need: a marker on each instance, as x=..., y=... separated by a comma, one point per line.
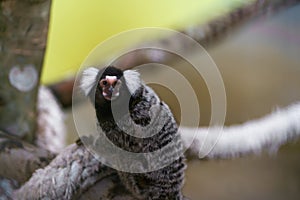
x=110, y=94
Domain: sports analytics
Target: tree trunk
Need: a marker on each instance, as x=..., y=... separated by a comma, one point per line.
x=23, y=34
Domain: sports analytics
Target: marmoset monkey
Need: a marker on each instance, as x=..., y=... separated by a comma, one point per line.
x=137, y=107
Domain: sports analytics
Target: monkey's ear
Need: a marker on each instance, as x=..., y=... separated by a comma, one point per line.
x=88, y=80
x=133, y=80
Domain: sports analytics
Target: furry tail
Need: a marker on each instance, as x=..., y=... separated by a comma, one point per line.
x=269, y=132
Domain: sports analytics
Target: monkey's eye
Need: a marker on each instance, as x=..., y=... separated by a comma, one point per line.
x=103, y=82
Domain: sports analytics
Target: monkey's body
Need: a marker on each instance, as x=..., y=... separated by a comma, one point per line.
x=125, y=130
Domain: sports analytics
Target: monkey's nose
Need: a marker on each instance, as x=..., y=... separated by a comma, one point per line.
x=111, y=80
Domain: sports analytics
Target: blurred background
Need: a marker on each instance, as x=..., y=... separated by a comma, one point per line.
x=259, y=62
x=77, y=27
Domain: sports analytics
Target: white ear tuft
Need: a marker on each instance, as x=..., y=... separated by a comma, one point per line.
x=133, y=80
x=88, y=79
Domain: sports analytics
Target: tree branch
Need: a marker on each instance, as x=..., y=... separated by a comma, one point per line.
x=19, y=159
x=72, y=173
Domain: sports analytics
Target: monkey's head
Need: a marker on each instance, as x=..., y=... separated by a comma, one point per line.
x=109, y=84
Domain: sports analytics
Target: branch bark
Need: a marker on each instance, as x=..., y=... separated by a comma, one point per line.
x=20, y=159
x=23, y=34
x=73, y=174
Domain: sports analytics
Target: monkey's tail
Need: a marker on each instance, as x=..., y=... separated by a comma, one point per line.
x=269, y=132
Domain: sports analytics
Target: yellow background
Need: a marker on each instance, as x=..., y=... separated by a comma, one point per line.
x=77, y=26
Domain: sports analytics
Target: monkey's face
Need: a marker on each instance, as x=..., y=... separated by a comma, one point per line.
x=110, y=87
x=109, y=84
